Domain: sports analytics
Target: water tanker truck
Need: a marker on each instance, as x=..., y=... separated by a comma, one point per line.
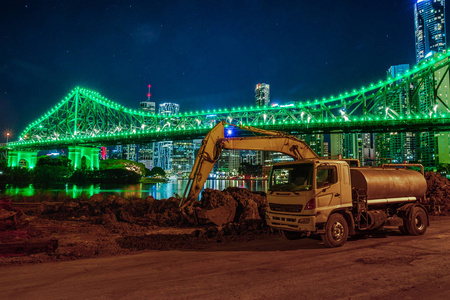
x=333, y=198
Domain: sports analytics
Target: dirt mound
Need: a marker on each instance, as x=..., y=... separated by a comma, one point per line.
x=233, y=205
x=103, y=209
x=438, y=192
x=251, y=206
x=216, y=207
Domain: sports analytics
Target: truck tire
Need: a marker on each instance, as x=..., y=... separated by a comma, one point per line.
x=417, y=222
x=291, y=235
x=336, y=231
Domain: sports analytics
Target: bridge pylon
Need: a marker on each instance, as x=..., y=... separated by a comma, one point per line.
x=84, y=157
x=22, y=158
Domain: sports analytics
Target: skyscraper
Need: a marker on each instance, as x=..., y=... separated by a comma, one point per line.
x=395, y=147
x=169, y=109
x=163, y=151
x=145, y=152
x=262, y=94
x=430, y=35
x=429, y=27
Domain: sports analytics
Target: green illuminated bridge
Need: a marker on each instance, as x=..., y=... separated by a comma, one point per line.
x=415, y=101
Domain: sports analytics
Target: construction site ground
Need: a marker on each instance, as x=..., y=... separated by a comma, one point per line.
x=265, y=266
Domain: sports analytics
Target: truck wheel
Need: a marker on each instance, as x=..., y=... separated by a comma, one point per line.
x=291, y=235
x=417, y=223
x=336, y=231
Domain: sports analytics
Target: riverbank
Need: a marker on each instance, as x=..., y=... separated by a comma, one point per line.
x=153, y=180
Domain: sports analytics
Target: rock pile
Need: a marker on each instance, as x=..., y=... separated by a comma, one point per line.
x=438, y=193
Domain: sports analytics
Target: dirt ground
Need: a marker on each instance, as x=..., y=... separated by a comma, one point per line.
x=104, y=226
x=384, y=265
x=82, y=239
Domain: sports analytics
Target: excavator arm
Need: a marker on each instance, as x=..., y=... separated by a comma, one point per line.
x=215, y=142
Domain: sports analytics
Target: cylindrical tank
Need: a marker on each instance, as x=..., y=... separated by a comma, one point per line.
x=382, y=183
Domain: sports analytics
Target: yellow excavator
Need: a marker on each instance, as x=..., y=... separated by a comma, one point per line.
x=333, y=198
x=215, y=141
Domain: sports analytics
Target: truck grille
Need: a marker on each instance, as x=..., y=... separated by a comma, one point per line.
x=285, y=207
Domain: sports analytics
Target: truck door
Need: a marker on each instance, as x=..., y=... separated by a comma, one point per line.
x=328, y=189
x=346, y=189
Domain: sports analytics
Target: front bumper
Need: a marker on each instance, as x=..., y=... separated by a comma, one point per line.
x=291, y=222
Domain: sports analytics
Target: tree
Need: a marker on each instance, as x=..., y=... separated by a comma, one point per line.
x=129, y=165
x=61, y=160
x=50, y=169
x=3, y=165
x=157, y=171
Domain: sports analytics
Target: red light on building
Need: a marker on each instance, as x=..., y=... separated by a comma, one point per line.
x=148, y=95
x=149, y=86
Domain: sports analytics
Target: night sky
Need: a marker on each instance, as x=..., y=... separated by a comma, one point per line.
x=199, y=54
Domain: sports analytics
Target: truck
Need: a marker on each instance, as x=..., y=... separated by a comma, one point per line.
x=313, y=196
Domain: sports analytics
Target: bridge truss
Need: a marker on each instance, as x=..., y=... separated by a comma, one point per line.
x=412, y=102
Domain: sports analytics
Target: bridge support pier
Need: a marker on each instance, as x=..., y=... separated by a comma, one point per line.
x=84, y=157
x=21, y=158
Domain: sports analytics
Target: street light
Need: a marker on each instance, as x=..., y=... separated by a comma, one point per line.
x=7, y=137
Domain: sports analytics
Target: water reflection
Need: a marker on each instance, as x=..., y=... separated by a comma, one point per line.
x=172, y=188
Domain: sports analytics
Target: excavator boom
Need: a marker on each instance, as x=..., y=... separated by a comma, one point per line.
x=215, y=142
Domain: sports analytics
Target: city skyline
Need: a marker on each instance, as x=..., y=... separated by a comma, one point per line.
x=296, y=64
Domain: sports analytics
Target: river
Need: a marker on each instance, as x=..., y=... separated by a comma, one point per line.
x=141, y=190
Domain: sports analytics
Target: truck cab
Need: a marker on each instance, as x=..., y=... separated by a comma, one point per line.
x=302, y=194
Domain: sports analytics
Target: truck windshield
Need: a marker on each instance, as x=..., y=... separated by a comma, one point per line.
x=291, y=178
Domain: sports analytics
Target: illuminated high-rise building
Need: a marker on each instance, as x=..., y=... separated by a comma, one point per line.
x=183, y=156
x=163, y=151
x=169, y=109
x=148, y=106
x=145, y=151
x=430, y=35
x=228, y=163
x=262, y=94
x=315, y=141
x=146, y=155
x=429, y=27
x=395, y=147
x=336, y=144
x=162, y=155
x=262, y=98
x=358, y=146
